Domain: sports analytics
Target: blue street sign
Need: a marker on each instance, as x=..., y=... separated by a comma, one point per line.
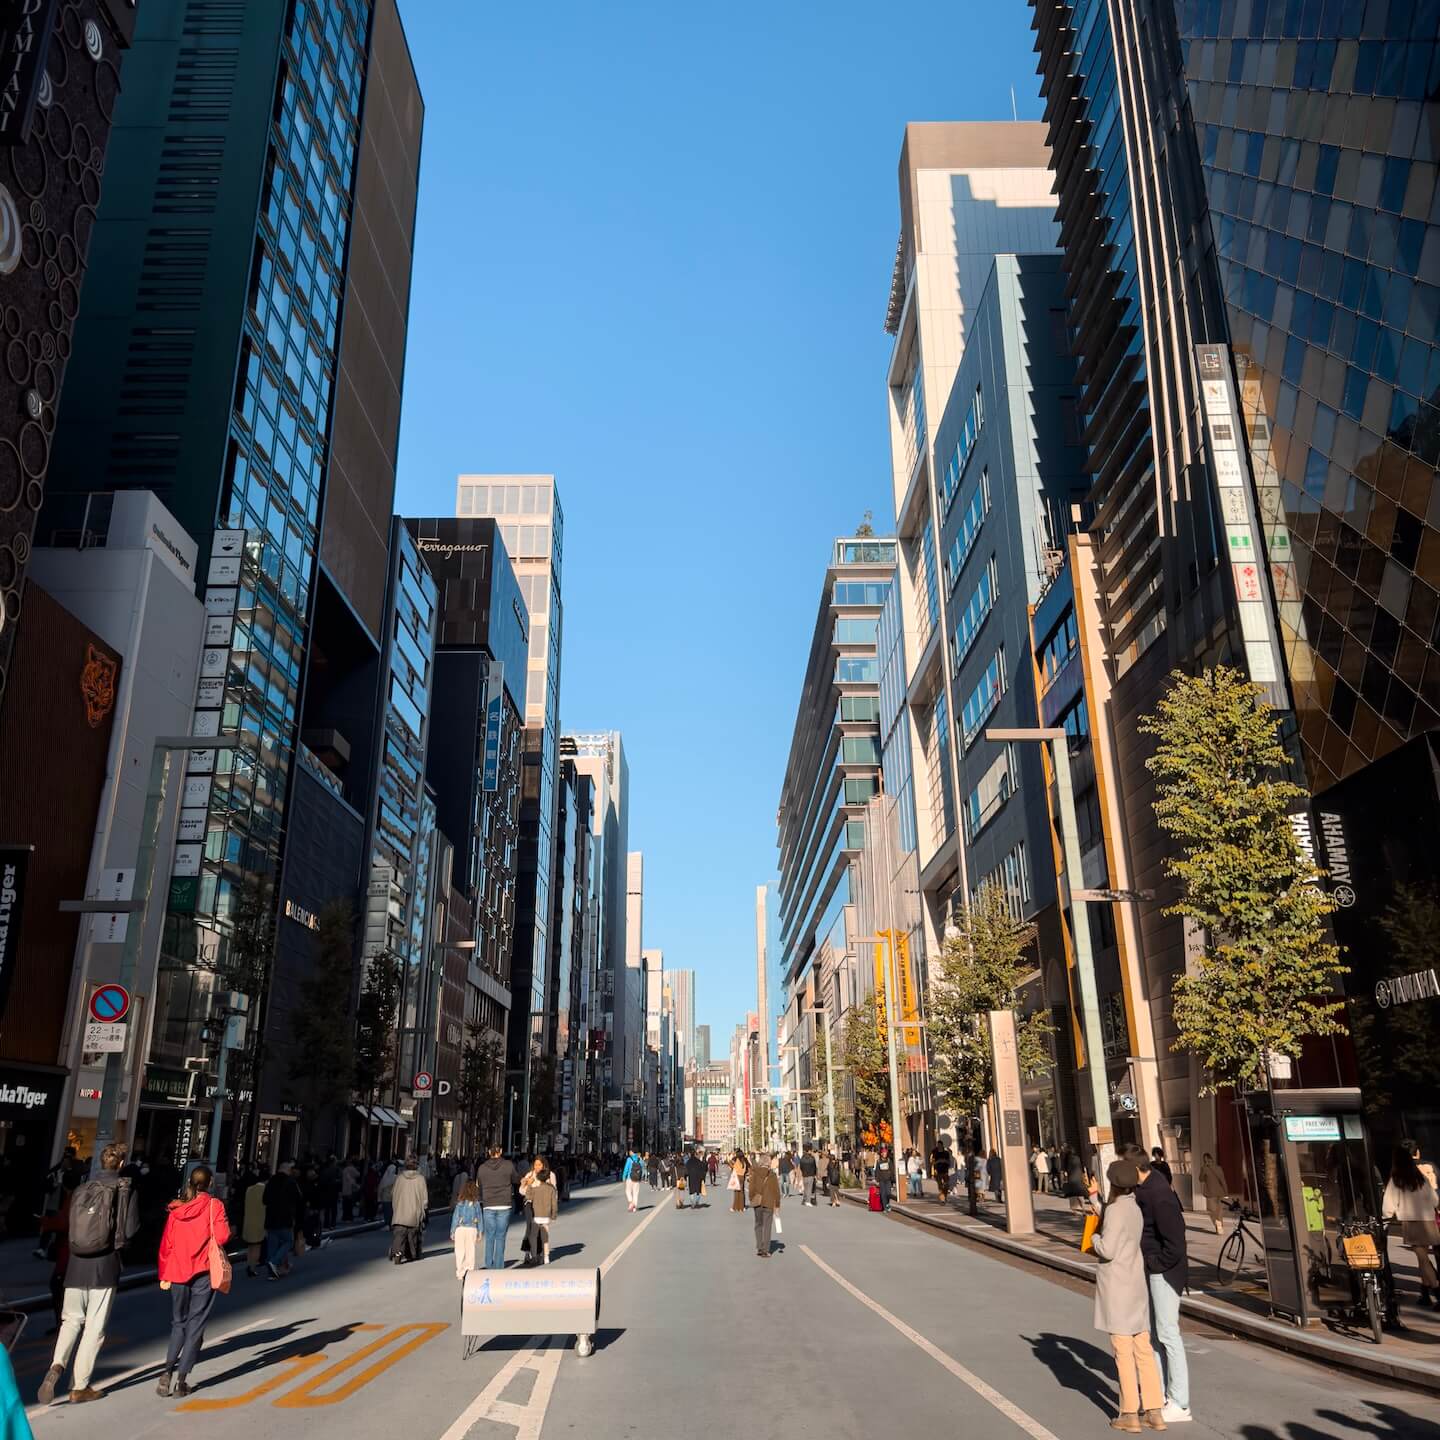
x=494, y=724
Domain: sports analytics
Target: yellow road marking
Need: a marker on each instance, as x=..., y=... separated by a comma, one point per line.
x=304, y=1395
x=289, y=1370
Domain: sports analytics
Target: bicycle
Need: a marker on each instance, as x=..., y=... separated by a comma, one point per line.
x=1231, y=1259
x=1362, y=1242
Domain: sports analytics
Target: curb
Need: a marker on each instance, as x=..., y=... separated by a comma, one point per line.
x=1323, y=1349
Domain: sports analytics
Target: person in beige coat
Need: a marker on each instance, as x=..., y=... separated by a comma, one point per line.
x=1122, y=1300
x=1214, y=1189
x=410, y=1200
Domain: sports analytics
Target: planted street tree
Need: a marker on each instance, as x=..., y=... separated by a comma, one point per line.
x=867, y=1061
x=1269, y=970
x=375, y=1020
x=982, y=967
x=480, y=1088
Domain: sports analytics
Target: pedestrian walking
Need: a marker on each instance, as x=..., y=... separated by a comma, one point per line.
x=349, y=1189
x=530, y=1245
x=544, y=1206
x=915, y=1175
x=764, y=1187
x=809, y=1170
x=497, y=1179
x=465, y=1224
x=409, y=1204
x=386, y=1194
x=736, y=1183
x=104, y=1218
x=252, y=1225
x=885, y=1175
x=1042, y=1169
x=787, y=1164
x=193, y=1268
x=632, y=1174
x=1160, y=1164
x=1056, y=1174
x=695, y=1174
x=940, y=1166
x=1122, y=1299
x=995, y=1173
x=1214, y=1189
x=832, y=1179
x=1410, y=1198
x=283, y=1204
x=1163, y=1244
x=652, y=1170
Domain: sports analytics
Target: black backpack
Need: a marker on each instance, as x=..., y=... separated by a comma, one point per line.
x=95, y=1217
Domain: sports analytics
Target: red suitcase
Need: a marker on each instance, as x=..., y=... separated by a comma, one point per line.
x=875, y=1198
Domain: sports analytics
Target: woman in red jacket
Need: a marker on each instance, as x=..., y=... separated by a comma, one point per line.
x=195, y=1219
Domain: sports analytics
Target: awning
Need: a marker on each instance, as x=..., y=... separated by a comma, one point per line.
x=382, y=1115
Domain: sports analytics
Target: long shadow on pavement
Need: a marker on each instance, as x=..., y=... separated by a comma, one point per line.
x=1389, y=1423
x=1077, y=1365
x=275, y=1337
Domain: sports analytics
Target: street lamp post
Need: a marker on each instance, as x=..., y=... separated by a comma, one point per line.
x=824, y=1015
x=1079, y=927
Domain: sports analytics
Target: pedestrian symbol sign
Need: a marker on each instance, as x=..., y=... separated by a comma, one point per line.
x=109, y=1003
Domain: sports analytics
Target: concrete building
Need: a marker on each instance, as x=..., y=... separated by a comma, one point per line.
x=601, y=756
x=682, y=994
x=635, y=1029
x=527, y=511
x=239, y=353
x=569, y=942
x=702, y=1046
x=832, y=771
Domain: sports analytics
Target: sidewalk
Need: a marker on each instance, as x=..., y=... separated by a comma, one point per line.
x=1411, y=1356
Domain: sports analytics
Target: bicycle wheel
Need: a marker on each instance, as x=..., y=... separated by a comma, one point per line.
x=1231, y=1257
x=1372, y=1304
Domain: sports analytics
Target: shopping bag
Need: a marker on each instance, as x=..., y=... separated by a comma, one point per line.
x=220, y=1274
x=779, y=1228
x=875, y=1198
x=733, y=1183
x=1087, y=1239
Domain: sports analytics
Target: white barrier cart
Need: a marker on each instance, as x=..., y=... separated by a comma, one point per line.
x=547, y=1300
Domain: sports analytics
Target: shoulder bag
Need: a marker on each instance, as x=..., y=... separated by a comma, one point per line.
x=220, y=1274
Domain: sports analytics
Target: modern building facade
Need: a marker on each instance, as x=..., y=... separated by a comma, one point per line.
x=832, y=771
x=221, y=311
x=1256, y=332
x=601, y=756
x=682, y=995
x=569, y=949
x=60, y=75
x=527, y=511
x=634, y=1031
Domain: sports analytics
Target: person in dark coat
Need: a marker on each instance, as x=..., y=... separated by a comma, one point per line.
x=695, y=1173
x=284, y=1213
x=1163, y=1244
x=764, y=1190
x=885, y=1176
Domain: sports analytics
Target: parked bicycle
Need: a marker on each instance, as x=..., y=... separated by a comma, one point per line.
x=1233, y=1251
x=1362, y=1242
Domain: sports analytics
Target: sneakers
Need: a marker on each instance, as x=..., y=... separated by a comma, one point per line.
x=49, y=1385
x=271, y=1273
x=82, y=1397
x=1127, y=1421
x=1174, y=1414
x=1152, y=1419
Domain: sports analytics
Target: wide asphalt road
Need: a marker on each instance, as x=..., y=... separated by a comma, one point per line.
x=860, y=1326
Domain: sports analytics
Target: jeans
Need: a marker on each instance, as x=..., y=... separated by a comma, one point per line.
x=278, y=1245
x=83, y=1318
x=884, y=1187
x=1165, y=1325
x=387, y=1211
x=809, y=1189
x=764, y=1225
x=189, y=1310
x=495, y=1224
x=917, y=1187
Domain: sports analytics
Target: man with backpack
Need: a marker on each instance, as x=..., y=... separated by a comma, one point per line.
x=104, y=1218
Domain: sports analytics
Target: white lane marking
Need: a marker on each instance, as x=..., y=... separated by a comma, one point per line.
x=1007, y=1408
x=544, y=1359
x=608, y=1262
x=35, y=1411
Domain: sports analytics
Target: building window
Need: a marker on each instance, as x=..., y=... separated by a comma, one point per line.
x=1012, y=875
x=857, y=670
x=1055, y=653
x=860, y=707
x=861, y=592
x=856, y=630
x=970, y=522
x=1075, y=721
x=996, y=786
x=860, y=750
x=972, y=617
x=854, y=834
x=983, y=698
x=860, y=788
x=969, y=432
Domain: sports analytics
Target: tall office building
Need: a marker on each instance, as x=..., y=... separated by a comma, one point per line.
x=239, y=354
x=60, y=74
x=633, y=997
x=601, y=756
x=702, y=1046
x=569, y=940
x=1249, y=207
x=832, y=770
x=527, y=510
x=682, y=994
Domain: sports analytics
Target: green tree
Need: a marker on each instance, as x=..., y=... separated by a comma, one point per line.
x=322, y=1066
x=1268, y=970
x=375, y=1021
x=543, y=1096
x=866, y=1058
x=481, y=1088
x=244, y=963
x=982, y=967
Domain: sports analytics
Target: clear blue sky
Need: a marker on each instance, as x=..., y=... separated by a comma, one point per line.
x=653, y=254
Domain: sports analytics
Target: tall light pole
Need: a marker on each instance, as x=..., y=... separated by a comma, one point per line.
x=824, y=1015
x=1079, y=929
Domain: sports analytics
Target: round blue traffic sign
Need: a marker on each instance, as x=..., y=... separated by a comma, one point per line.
x=109, y=1003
